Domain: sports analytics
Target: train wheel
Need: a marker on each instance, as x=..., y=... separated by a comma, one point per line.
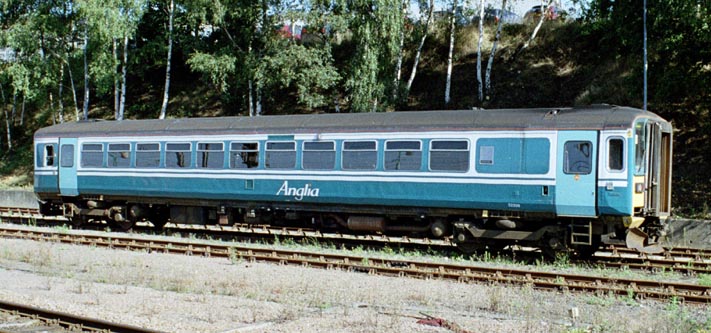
x=470, y=248
x=77, y=221
x=122, y=225
x=158, y=223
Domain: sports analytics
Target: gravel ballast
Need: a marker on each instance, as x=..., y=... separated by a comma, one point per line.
x=179, y=293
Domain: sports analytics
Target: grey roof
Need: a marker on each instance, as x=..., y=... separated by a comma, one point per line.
x=594, y=117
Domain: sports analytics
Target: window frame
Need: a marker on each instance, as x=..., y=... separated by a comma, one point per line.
x=304, y=152
x=62, y=154
x=467, y=150
x=102, y=151
x=139, y=152
x=42, y=156
x=374, y=149
x=386, y=150
x=623, y=160
x=109, y=151
x=566, y=158
x=267, y=155
x=256, y=150
x=190, y=150
x=200, y=152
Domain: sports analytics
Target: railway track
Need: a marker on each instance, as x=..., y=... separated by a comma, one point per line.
x=32, y=319
x=685, y=260
x=641, y=289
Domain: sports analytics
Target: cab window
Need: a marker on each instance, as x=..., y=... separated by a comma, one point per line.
x=615, y=154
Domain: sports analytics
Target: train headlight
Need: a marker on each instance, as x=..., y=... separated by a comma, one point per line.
x=639, y=187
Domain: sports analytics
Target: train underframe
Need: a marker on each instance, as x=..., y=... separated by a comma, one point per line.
x=471, y=230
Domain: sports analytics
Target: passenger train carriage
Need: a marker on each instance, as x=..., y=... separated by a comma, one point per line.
x=554, y=178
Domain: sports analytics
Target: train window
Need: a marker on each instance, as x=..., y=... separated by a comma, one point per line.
x=49, y=155
x=640, y=147
x=66, y=156
x=359, y=155
x=403, y=155
x=45, y=155
x=211, y=155
x=578, y=157
x=119, y=155
x=92, y=155
x=147, y=155
x=178, y=155
x=244, y=155
x=449, y=155
x=319, y=155
x=280, y=155
x=616, y=154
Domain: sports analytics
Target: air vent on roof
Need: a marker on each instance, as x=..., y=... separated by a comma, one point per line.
x=551, y=114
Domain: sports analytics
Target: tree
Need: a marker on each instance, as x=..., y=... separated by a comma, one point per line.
x=544, y=5
x=376, y=28
x=490, y=64
x=452, y=21
x=426, y=28
x=478, y=51
x=164, y=105
x=106, y=22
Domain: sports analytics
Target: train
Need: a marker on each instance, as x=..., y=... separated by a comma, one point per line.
x=558, y=179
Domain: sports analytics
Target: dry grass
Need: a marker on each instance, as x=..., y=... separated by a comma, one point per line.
x=283, y=299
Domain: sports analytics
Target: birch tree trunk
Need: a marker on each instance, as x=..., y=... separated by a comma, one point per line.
x=86, y=73
x=451, y=52
x=164, y=105
x=9, y=121
x=2, y=94
x=478, y=51
x=14, y=108
x=122, y=102
x=74, y=90
x=419, y=48
x=55, y=117
x=60, y=112
x=116, y=79
x=258, y=106
x=490, y=64
x=249, y=99
x=544, y=5
x=398, y=65
x=22, y=112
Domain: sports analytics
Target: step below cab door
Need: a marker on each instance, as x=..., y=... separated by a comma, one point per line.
x=68, y=160
x=576, y=174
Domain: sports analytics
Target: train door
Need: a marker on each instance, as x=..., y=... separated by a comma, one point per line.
x=654, y=145
x=576, y=176
x=68, y=167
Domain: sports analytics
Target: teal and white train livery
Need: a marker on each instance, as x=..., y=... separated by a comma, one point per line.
x=555, y=178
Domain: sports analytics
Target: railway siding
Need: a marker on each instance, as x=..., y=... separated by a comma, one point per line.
x=691, y=293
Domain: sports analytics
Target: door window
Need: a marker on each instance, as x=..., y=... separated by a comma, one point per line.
x=66, y=159
x=578, y=157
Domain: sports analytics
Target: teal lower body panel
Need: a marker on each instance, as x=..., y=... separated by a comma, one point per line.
x=617, y=201
x=46, y=183
x=511, y=197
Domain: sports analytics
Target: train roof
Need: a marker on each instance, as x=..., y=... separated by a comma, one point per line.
x=579, y=118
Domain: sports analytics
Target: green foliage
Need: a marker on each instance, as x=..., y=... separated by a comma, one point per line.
x=705, y=280
x=376, y=26
x=309, y=70
x=218, y=68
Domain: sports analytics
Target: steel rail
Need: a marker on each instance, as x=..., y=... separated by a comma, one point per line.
x=691, y=293
x=70, y=321
x=688, y=260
